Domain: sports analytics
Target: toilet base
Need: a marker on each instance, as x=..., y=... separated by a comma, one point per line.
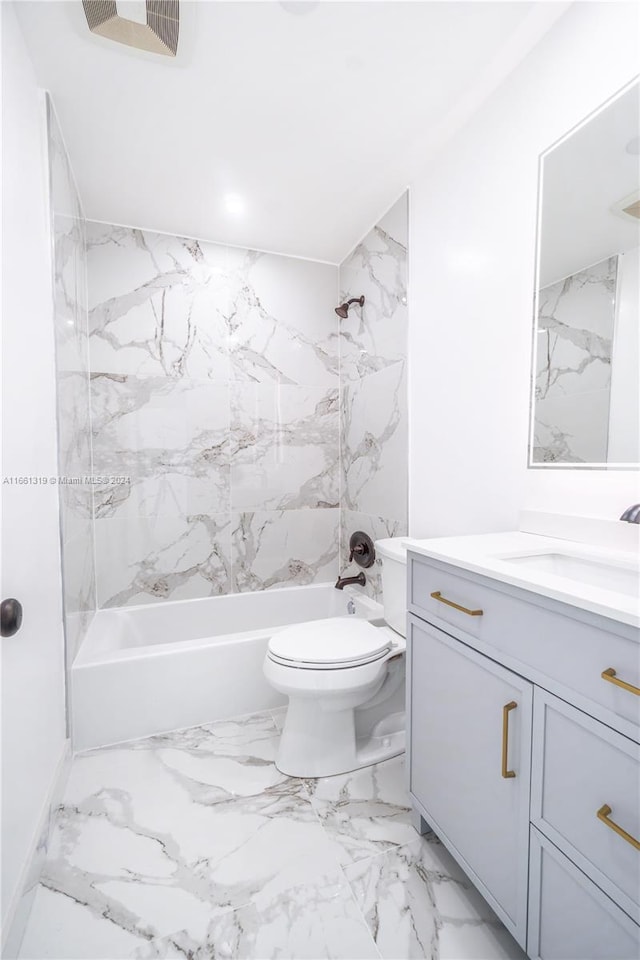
x=320, y=743
x=387, y=740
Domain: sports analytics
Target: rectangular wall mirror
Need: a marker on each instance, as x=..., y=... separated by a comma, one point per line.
x=585, y=404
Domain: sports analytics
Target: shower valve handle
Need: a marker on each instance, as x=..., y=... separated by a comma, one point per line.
x=361, y=549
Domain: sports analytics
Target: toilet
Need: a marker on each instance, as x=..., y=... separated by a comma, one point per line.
x=344, y=678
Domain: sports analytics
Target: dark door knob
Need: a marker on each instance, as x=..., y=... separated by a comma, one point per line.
x=10, y=617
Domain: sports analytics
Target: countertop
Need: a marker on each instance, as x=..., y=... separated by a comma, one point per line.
x=487, y=554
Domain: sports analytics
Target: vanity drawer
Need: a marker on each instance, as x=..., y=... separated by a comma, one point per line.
x=580, y=768
x=541, y=639
x=441, y=592
x=570, y=918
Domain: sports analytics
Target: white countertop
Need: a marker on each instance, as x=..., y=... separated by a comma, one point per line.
x=488, y=555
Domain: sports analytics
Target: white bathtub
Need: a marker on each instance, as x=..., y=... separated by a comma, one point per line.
x=153, y=668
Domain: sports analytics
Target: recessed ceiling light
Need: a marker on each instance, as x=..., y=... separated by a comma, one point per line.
x=234, y=204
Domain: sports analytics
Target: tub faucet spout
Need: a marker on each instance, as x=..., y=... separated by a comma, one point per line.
x=343, y=582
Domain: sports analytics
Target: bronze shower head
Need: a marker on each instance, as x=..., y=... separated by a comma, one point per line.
x=343, y=309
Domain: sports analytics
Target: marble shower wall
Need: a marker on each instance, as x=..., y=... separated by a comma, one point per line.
x=573, y=377
x=373, y=408
x=72, y=368
x=214, y=384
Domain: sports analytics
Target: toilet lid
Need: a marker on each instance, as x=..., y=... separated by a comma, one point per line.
x=341, y=641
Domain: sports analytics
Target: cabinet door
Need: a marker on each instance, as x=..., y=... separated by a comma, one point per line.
x=470, y=761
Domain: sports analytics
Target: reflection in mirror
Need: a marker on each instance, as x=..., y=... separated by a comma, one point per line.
x=586, y=396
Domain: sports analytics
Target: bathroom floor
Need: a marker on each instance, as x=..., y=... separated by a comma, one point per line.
x=193, y=845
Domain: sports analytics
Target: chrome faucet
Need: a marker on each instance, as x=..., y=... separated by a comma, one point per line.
x=632, y=514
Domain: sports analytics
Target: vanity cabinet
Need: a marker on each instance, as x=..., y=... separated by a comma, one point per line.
x=524, y=758
x=471, y=721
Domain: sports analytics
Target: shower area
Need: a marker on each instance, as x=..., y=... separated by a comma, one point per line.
x=221, y=434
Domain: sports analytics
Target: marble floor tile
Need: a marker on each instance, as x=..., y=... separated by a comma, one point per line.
x=308, y=922
x=163, y=834
x=366, y=811
x=60, y=928
x=192, y=845
x=418, y=903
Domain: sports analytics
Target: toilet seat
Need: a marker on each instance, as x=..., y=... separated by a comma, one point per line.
x=332, y=644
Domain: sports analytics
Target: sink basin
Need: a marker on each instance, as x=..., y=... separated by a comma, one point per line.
x=596, y=573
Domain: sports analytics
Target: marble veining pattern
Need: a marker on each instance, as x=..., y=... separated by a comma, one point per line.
x=72, y=391
x=193, y=845
x=373, y=410
x=171, y=306
x=215, y=393
x=573, y=378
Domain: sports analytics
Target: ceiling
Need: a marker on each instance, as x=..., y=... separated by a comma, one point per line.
x=314, y=116
x=584, y=178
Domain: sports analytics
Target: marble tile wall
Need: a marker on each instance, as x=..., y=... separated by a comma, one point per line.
x=373, y=407
x=215, y=394
x=72, y=367
x=573, y=376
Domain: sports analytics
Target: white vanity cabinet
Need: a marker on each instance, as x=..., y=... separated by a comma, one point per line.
x=530, y=780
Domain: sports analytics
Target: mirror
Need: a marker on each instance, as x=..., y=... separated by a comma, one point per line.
x=585, y=380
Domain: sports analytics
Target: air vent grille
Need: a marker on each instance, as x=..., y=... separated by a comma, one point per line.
x=633, y=210
x=98, y=12
x=158, y=35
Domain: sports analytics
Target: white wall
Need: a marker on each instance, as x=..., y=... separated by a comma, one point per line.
x=33, y=713
x=471, y=287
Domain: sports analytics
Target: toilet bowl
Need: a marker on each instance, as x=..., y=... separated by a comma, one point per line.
x=345, y=679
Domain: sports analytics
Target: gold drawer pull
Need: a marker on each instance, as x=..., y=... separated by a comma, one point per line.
x=506, y=710
x=603, y=814
x=456, y=606
x=610, y=675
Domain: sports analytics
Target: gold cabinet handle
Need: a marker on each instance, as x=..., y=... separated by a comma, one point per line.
x=456, y=606
x=506, y=710
x=610, y=675
x=603, y=814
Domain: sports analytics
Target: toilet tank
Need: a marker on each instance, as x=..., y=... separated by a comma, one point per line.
x=393, y=554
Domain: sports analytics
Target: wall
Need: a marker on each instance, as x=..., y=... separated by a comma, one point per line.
x=33, y=700
x=373, y=405
x=73, y=399
x=472, y=238
x=215, y=390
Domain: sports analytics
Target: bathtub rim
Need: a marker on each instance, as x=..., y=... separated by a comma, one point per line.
x=87, y=657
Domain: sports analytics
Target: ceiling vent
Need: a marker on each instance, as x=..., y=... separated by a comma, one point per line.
x=629, y=207
x=157, y=33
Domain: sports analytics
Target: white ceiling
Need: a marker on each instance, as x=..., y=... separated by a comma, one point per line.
x=314, y=114
x=584, y=178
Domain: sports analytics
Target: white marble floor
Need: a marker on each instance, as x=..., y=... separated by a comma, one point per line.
x=192, y=845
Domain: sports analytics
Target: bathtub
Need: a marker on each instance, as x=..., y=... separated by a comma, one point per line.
x=158, y=667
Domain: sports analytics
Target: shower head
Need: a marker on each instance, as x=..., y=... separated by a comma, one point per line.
x=343, y=309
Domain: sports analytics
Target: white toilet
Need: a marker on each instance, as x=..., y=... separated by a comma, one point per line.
x=345, y=681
